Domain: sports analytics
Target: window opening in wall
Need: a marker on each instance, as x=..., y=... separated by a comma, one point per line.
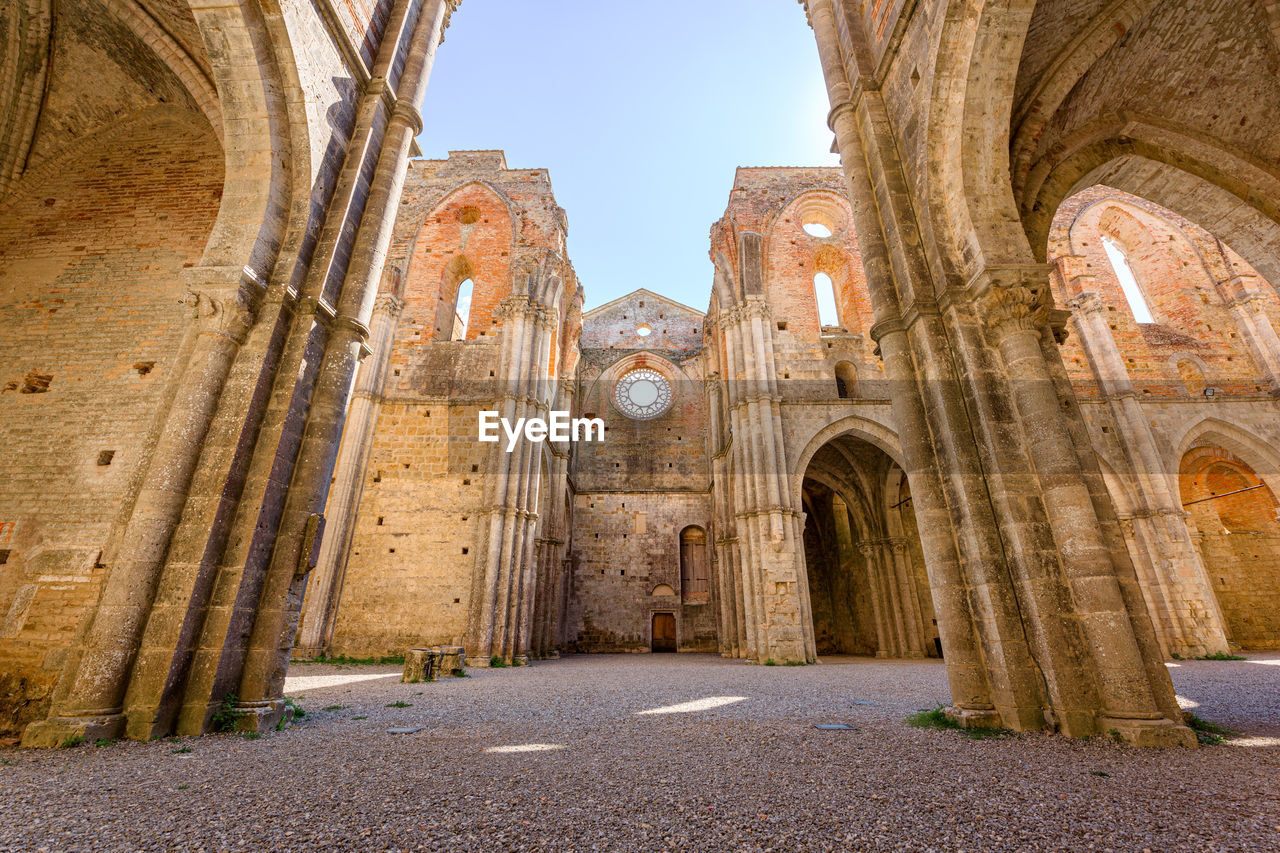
x=695, y=571
x=462, y=310
x=825, y=292
x=817, y=229
x=642, y=394
x=1128, y=283
x=846, y=376
x=644, y=330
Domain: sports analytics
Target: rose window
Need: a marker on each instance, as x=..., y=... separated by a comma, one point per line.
x=642, y=394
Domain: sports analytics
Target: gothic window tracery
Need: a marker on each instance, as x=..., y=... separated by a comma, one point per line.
x=643, y=394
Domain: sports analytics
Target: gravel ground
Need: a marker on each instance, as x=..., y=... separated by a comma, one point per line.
x=740, y=769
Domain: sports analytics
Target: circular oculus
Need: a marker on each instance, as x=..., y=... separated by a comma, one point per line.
x=642, y=394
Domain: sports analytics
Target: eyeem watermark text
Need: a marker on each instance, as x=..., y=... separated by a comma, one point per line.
x=560, y=427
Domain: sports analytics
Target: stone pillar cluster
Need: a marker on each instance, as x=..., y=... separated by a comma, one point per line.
x=1180, y=603
x=510, y=557
x=202, y=596
x=894, y=603
x=727, y=567
x=1041, y=617
x=552, y=545
x=325, y=585
x=772, y=602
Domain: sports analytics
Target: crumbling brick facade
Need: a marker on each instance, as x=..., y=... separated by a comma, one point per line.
x=856, y=581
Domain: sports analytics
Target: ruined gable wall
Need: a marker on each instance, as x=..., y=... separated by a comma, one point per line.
x=644, y=484
x=777, y=203
x=409, y=573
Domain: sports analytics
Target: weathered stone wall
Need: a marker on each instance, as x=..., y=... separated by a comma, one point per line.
x=1149, y=391
x=626, y=543
x=91, y=262
x=424, y=506
x=645, y=483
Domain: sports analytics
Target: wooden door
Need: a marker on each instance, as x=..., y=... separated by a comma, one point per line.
x=664, y=632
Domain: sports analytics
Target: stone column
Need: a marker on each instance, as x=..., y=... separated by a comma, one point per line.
x=502, y=588
x=776, y=578
x=721, y=522
x=912, y=620
x=274, y=626
x=89, y=700
x=973, y=699
x=1015, y=301
x=744, y=484
x=886, y=646
x=1012, y=561
x=1179, y=599
x=324, y=588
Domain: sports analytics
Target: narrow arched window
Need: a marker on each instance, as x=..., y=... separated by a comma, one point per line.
x=846, y=376
x=825, y=292
x=695, y=573
x=462, y=311
x=1128, y=282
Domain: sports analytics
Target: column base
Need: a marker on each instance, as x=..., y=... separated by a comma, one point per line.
x=1146, y=733
x=306, y=652
x=262, y=716
x=975, y=718
x=70, y=731
x=147, y=724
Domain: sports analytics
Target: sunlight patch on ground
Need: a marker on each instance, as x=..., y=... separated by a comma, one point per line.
x=299, y=683
x=1186, y=704
x=696, y=705
x=524, y=747
x=1266, y=662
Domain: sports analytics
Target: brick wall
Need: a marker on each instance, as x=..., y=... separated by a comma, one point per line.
x=1177, y=266
x=1239, y=542
x=416, y=537
x=91, y=293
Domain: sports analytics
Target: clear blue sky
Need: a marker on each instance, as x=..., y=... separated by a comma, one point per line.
x=640, y=111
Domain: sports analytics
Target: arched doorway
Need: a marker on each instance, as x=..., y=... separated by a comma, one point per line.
x=1234, y=519
x=867, y=587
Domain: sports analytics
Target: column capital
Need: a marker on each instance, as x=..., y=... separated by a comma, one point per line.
x=450, y=6
x=1013, y=298
x=1089, y=302
x=388, y=304
x=407, y=113
x=224, y=300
